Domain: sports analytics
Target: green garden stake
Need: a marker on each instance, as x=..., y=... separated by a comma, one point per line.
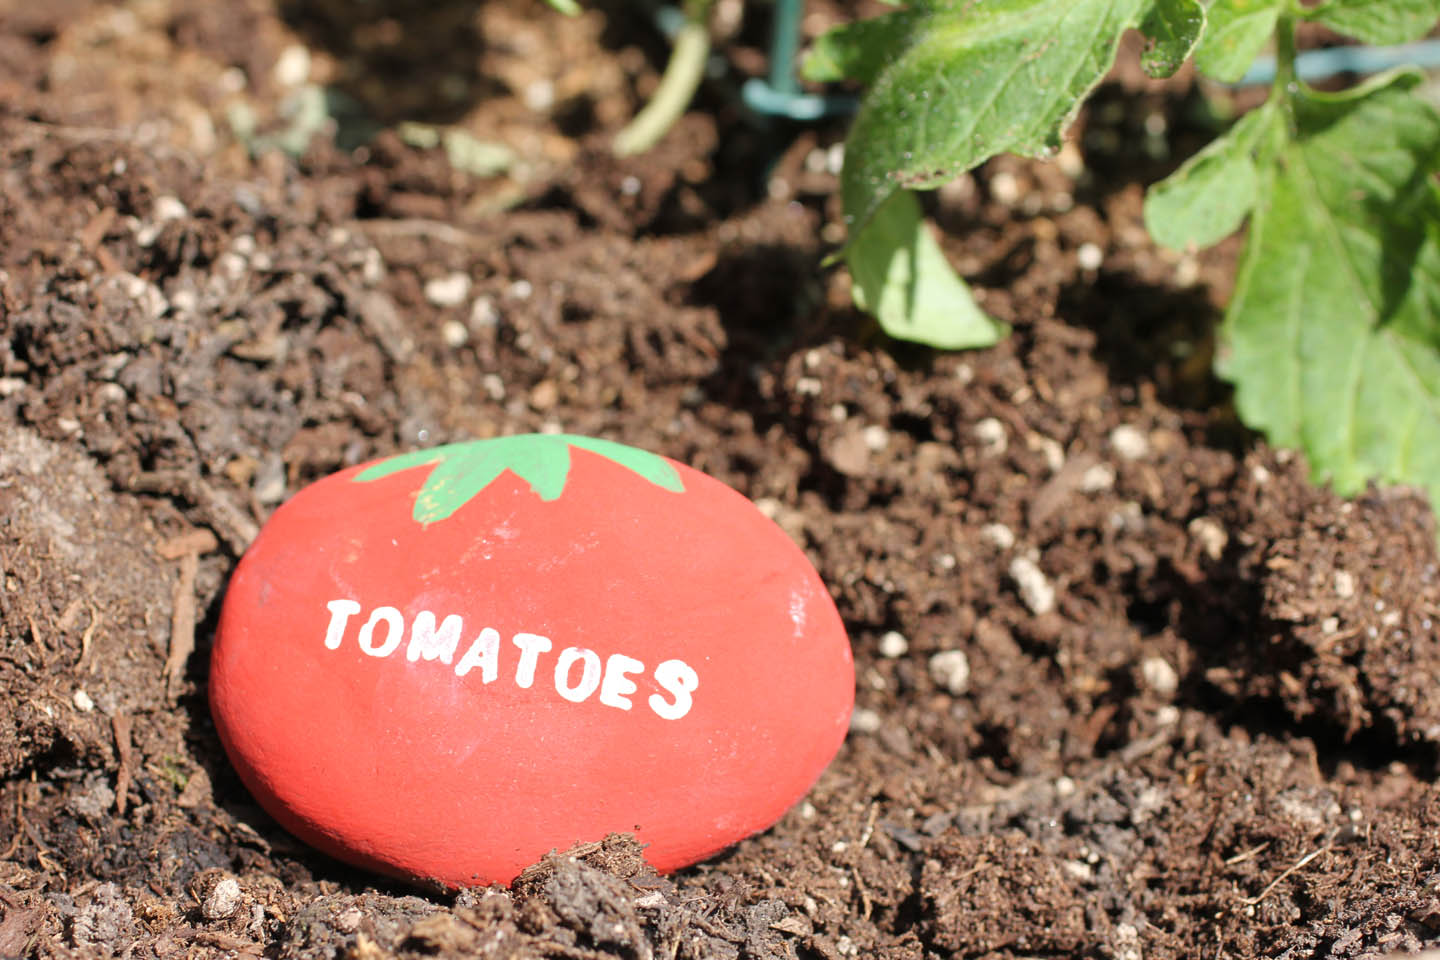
x=780, y=95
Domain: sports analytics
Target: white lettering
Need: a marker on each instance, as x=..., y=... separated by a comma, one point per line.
x=589, y=676
x=531, y=646
x=394, y=632
x=434, y=639
x=427, y=642
x=340, y=613
x=680, y=679
x=483, y=653
x=616, y=690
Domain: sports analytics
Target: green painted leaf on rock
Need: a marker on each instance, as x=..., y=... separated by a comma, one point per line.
x=462, y=470
x=1378, y=21
x=901, y=276
x=1235, y=31
x=1332, y=337
x=1209, y=197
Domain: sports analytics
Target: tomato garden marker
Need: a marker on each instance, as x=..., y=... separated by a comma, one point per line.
x=445, y=664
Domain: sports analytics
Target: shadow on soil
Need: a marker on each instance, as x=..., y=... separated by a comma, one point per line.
x=401, y=60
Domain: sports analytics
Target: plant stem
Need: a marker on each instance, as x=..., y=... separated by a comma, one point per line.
x=677, y=86
x=1283, y=87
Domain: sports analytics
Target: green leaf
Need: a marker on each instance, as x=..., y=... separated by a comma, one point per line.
x=901, y=276
x=463, y=470
x=1378, y=21
x=967, y=80
x=1235, y=32
x=1173, y=28
x=858, y=51
x=1332, y=337
x=568, y=7
x=1214, y=191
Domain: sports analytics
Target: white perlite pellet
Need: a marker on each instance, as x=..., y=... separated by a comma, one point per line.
x=1160, y=676
x=893, y=645
x=448, y=291
x=1128, y=442
x=1035, y=588
x=864, y=720
x=951, y=670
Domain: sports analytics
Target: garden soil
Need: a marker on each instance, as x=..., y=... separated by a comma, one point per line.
x=1128, y=686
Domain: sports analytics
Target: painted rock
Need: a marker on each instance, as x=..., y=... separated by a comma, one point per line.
x=445, y=664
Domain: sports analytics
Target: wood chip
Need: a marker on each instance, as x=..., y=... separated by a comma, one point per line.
x=200, y=541
x=182, y=625
x=121, y=726
x=216, y=511
x=197, y=790
x=93, y=232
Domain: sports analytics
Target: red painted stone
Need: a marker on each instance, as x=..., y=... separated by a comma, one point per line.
x=445, y=664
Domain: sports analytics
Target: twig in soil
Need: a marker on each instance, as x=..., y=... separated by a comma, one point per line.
x=121, y=725
x=219, y=513
x=1247, y=854
x=419, y=227
x=187, y=547
x=42, y=851
x=195, y=541
x=869, y=830
x=865, y=904
x=39, y=641
x=87, y=636
x=182, y=624
x=1297, y=865
x=15, y=837
x=224, y=941
x=1139, y=748
x=69, y=132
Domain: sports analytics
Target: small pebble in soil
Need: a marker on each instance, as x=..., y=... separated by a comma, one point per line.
x=82, y=701
x=455, y=334
x=484, y=314
x=292, y=67
x=1129, y=442
x=493, y=386
x=270, y=480
x=1005, y=188
x=643, y=650
x=1035, y=588
x=998, y=536
x=990, y=432
x=864, y=720
x=1344, y=584
x=1159, y=676
x=1089, y=256
x=950, y=669
x=223, y=900
x=1210, y=536
x=1049, y=448
x=449, y=290
x=167, y=207
x=1097, y=478
x=893, y=645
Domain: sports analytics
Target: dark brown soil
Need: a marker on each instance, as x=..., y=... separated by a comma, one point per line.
x=1199, y=718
